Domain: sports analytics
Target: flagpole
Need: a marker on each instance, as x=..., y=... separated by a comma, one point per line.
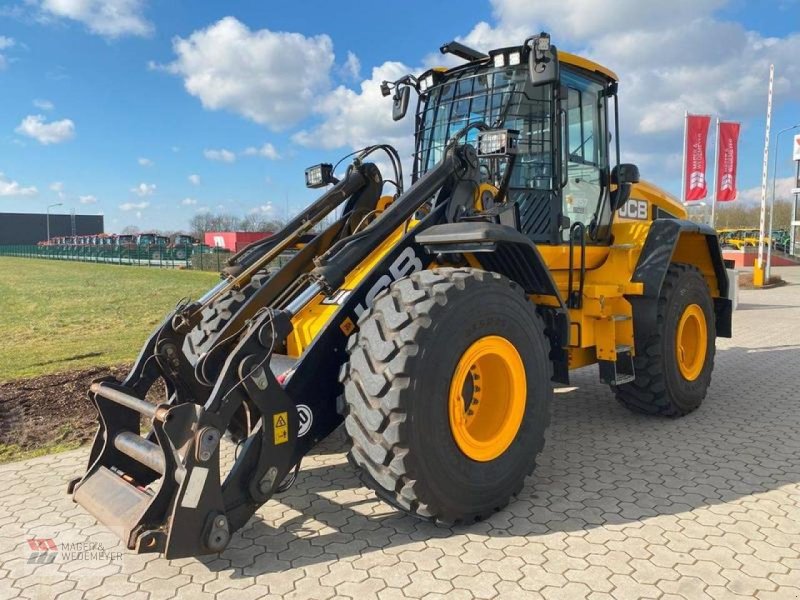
x=716, y=179
x=758, y=271
x=683, y=168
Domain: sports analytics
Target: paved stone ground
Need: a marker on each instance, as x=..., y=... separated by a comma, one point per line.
x=621, y=506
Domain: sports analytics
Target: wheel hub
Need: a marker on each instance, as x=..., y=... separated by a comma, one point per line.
x=691, y=342
x=487, y=398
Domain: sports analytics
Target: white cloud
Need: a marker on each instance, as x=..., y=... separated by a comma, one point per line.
x=188, y=202
x=145, y=162
x=267, y=151
x=127, y=206
x=10, y=188
x=221, y=155
x=355, y=119
x=352, y=66
x=89, y=199
x=55, y=132
x=783, y=191
x=107, y=18
x=262, y=209
x=194, y=179
x=5, y=42
x=43, y=104
x=144, y=189
x=269, y=77
x=57, y=187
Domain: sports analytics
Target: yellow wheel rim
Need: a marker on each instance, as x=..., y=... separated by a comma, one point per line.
x=487, y=398
x=691, y=342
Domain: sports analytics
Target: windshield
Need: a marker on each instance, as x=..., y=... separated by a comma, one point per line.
x=500, y=98
x=146, y=239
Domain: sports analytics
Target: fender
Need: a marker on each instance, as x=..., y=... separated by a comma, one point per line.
x=651, y=269
x=503, y=249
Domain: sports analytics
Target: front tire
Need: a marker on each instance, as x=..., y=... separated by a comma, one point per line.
x=673, y=369
x=413, y=395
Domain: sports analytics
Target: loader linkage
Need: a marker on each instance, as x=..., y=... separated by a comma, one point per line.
x=162, y=492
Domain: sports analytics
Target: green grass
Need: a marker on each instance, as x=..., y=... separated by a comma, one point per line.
x=11, y=452
x=58, y=316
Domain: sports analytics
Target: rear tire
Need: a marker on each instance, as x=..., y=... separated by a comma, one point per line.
x=217, y=315
x=398, y=393
x=207, y=333
x=661, y=386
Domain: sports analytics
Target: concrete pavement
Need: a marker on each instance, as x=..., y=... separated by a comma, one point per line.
x=620, y=506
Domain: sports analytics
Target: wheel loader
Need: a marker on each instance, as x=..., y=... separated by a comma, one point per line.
x=433, y=320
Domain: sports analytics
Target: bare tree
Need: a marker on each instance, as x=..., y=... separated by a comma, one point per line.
x=738, y=215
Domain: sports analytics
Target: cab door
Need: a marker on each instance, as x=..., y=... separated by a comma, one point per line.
x=585, y=165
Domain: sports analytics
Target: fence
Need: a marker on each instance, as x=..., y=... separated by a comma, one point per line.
x=178, y=257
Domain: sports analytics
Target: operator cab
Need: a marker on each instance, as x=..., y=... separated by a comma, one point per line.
x=539, y=120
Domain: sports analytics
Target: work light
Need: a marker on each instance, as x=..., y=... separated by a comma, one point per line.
x=319, y=175
x=497, y=142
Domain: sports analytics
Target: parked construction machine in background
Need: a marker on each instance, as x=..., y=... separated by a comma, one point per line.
x=433, y=321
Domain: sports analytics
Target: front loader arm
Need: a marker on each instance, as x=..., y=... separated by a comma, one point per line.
x=168, y=485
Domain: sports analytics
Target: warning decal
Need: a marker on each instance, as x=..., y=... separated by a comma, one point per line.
x=347, y=326
x=280, y=426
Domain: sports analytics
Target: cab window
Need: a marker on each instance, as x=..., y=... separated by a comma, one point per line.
x=584, y=131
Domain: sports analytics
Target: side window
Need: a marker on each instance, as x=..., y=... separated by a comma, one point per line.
x=586, y=149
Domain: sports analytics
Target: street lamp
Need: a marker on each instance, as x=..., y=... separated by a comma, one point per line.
x=48, y=218
x=772, y=201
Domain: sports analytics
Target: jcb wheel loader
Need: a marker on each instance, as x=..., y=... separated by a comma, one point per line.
x=432, y=321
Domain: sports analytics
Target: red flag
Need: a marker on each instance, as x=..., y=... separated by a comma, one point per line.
x=728, y=155
x=695, y=186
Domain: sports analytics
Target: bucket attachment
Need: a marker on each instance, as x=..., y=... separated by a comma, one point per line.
x=162, y=492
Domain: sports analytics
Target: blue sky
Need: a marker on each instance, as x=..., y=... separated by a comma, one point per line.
x=88, y=91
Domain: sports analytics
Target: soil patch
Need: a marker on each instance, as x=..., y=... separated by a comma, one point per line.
x=51, y=412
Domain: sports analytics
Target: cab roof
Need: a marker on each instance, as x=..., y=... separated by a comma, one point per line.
x=585, y=63
x=564, y=57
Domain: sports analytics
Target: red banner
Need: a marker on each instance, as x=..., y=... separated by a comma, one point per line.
x=728, y=155
x=696, y=186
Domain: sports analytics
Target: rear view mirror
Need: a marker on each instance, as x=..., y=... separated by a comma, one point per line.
x=542, y=60
x=623, y=176
x=400, y=102
x=625, y=173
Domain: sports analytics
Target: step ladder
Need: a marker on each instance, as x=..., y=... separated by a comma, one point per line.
x=616, y=365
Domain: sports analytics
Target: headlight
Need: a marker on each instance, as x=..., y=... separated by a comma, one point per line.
x=498, y=142
x=499, y=60
x=319, y=175
x=514, y=58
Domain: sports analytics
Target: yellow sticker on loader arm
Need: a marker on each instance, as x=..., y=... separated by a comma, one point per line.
x=280, y=427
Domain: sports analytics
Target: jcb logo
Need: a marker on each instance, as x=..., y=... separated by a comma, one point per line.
x=403, y=266
x=634, y=209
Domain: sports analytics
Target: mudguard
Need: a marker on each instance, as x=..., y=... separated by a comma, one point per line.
x=654, y=260
x=503, y=249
